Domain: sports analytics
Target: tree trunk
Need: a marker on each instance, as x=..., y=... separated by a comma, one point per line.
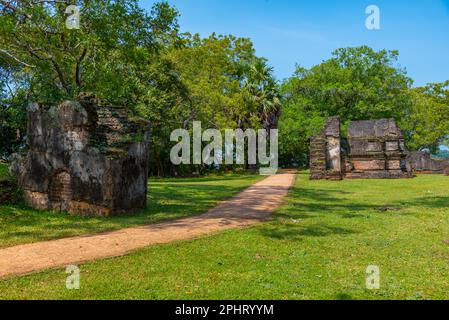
x=159, y=167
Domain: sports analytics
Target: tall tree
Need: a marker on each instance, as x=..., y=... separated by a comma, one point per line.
x=264, y=91
x=213, y=72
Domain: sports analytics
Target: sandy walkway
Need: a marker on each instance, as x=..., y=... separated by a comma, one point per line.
x=248, y=207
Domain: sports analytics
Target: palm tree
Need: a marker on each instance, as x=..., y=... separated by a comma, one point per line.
x=264, y=91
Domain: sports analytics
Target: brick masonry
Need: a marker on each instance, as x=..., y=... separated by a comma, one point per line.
x=325, y=152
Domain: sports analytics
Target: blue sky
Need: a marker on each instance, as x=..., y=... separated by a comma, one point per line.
x=306, y=32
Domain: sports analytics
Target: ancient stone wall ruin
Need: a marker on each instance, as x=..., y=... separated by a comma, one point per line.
x=376, y=150
x=373, y=149
x=84, y=158
x=422, y=162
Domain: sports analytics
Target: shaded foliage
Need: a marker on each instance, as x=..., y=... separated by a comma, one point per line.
x=427, y=122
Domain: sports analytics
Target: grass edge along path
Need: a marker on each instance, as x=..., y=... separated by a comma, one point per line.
x=168, y=199
x=251, y=206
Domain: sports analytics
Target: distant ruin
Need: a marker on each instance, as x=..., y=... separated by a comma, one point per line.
x=84, y=158
x=422, y=162
x=372, y=149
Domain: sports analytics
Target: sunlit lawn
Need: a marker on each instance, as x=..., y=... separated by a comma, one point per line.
x=317, y=247
x=167, y=199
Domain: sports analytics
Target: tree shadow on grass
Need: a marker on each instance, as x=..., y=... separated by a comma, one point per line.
x=320, y=204
x=427, y=202
x=343, y=296
x=312, y=194
x=298, y=232
x=312, y=203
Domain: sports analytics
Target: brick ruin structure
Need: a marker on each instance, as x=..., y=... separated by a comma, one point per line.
x=84, y=158
x=325, y=152
x=376, y=150
x=422, y=162
x=372, y=149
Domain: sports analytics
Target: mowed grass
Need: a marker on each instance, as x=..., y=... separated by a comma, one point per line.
x=317, y=247
x=167, y=199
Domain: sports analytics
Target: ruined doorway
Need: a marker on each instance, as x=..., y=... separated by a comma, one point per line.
x=61, y=191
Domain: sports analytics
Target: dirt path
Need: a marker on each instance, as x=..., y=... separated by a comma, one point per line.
x=251, y=206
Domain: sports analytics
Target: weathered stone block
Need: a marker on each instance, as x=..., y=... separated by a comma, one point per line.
x=394, y=165
x=368, y=165
x=392, y=146
x=88, y=209
x=38, y=170
x=37, y=200
x=71, y=114
x=359, y=147
x=385, y=129
x=374, y=146
x=36, y=129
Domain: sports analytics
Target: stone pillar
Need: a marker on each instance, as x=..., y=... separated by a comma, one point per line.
x=333, y=148
x=325, y=152
x=318, y=157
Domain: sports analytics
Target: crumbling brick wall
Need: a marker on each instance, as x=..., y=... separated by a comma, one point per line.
x=84, y=158
x=318, y=157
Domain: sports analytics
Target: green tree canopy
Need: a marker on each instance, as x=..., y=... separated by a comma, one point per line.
x=427, y=122
x=102, y=56
x=226, y=86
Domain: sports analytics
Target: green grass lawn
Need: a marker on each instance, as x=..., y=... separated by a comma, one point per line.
x=317, y=247
x=167, y=199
